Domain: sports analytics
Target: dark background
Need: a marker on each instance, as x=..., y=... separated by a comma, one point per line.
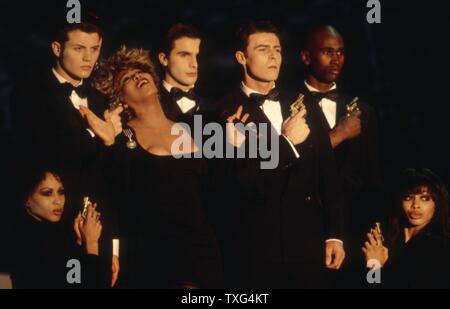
x=400, y=66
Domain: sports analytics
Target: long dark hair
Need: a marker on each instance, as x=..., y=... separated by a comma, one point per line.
x=29, y=176
x=413, y=181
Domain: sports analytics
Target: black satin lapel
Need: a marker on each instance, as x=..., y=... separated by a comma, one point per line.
x=315, y=115
x=171, y=109
x=285, y=102
x=341, y=108
x=256, y=114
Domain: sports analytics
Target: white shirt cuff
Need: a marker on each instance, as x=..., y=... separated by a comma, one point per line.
x=90, y=132
x=116, y=247
x=334, y=239
x=297, y=155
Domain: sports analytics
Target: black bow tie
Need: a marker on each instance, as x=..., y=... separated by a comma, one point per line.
x=178, y=94
x=258, y=98
x=80, y=90
x=332, y=95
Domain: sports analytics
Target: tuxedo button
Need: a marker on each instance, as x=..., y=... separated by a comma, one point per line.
x=287, y=166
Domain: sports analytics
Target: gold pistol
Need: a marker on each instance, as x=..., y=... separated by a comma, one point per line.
x=378, y=229
x=353, y=107
x=86, y=204
x=298, y=105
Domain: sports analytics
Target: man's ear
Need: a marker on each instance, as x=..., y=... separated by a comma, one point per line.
x=305, y=57
x=163, y=59
x=56, y=49
x=240, y=57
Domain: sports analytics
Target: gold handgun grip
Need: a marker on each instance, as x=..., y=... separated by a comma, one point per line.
x=378, y=229
x=298, y=105
x=86, y=205
x=352, y=107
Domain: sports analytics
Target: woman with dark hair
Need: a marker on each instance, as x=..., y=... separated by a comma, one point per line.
x=416, y=254
x=166, y=240
x=41, y=252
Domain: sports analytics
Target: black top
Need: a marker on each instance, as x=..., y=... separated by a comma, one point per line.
x=165, y=237
x=49, y=127
x=422, y=262
x=39, y=255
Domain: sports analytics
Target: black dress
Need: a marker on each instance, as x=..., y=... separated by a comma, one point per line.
x=422, y=262
x=166, y=239
x=39, y=254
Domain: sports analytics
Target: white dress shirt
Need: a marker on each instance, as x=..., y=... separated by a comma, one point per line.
x=184, y=103
x=74, y=98
x=272, y=110
x=328, y=106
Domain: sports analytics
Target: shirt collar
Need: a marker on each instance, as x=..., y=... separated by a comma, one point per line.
x=61, y=79
x=169, y=86
x=312, y=89
x=248, y=91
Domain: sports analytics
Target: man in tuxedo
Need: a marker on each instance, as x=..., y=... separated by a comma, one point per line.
x=50, y=108
x=353, y=134
x=284, y=224
x=59, y=118
x=178, y=55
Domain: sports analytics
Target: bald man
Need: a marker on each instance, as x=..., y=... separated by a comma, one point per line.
x=353, y=136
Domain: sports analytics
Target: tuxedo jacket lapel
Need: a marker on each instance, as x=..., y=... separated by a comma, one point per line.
x=257, y=115
x=170, y=108
x=285, y=102
x=341, y=109
x=314, y=104
x=70, y=114
x=239, y=98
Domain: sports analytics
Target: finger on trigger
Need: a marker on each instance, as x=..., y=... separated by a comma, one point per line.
x=302, y=112
x=245, y=118
x=118, y=110
x=239, y=111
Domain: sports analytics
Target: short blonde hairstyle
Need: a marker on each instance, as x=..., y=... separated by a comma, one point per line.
x=124, y=59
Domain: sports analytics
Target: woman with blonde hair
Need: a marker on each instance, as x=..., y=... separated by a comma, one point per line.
x=167, y=240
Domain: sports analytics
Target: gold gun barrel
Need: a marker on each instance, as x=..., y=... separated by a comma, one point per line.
x=86, y=205
x=298, y=105
x=352, y=107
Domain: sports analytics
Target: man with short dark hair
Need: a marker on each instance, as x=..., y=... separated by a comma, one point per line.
x=49, y=108
x=178, y=56
x=285, y=225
